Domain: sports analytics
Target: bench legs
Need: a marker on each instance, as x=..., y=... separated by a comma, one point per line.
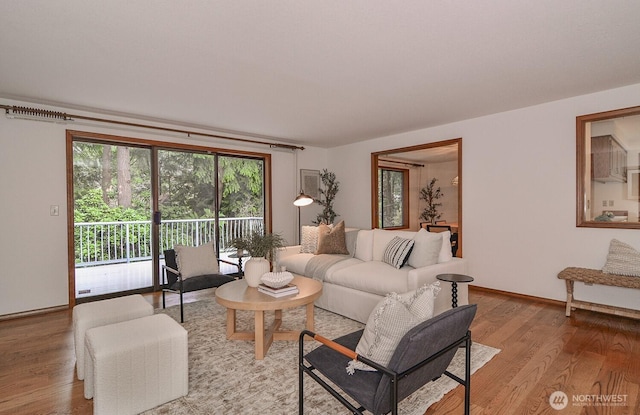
x=569, y=284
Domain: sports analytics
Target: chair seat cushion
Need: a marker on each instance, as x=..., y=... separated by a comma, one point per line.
x=361, y=386
x=201, y=282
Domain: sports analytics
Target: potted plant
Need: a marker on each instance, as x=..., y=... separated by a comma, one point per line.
x=331, y=187
x=261, y=247
x=430, y=194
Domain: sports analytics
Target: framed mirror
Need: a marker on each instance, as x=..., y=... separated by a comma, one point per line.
x=608, y=169
x=398, y=177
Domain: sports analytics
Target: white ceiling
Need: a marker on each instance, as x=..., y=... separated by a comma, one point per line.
x=320, y=73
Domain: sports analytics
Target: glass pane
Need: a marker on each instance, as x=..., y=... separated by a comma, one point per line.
x=187, y=198
x=242, y=198
x=112, y=218
x=391, y=198
x=608, y=165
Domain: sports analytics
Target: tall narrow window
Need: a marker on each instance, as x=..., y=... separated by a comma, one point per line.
x=393, y=201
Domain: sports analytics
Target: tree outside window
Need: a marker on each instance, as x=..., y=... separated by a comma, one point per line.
x=393, y=196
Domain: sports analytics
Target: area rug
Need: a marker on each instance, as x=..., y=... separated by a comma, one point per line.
x=225, y=378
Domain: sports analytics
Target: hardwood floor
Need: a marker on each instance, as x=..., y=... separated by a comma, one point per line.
x=587, y=356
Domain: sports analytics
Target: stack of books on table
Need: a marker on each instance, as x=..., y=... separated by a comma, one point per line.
x=288, y=289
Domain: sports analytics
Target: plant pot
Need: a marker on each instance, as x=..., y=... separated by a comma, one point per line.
x=254, y=269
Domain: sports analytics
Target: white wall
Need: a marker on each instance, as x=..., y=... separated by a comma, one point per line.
x=33, y=244
x=518, y=195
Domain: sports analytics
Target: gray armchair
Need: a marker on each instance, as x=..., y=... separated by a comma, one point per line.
x=423, y=355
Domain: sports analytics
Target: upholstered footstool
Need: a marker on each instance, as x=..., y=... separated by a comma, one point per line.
x=136, y=365
x=101, y=313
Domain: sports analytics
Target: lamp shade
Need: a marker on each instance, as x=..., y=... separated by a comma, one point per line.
x=303, y=200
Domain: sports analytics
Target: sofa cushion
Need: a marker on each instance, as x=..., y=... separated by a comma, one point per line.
x=332, y=240
x=295, y=263
x=426, y=249
x=374, y=277
x=397, y=252
x=364, y=245
x=198, y=260
x=381, y=239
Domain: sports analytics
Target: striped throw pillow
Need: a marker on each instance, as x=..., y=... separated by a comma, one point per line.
x=397, y=251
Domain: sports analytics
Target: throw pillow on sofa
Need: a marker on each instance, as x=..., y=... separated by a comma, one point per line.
x=332, y=240
x=309, y=239
x=426, y=249
x=445, y=252
x=196, y=260
x=392, y=318
x=397, y=252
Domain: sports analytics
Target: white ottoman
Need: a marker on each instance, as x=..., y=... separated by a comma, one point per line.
x=136, y=365
x=101, y=313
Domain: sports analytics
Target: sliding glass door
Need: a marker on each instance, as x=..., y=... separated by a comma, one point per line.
x=199, y=196
x=112, y=218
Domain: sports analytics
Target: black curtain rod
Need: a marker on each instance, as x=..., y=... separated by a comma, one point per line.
x=56, y=116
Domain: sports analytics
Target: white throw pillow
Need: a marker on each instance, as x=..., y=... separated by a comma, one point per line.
x=421, y=302
x=445, y=251
x=622, y=259
x=199, y=260
x=426, y=249
x=392, y=318
x=397, y=251
x=309, y=240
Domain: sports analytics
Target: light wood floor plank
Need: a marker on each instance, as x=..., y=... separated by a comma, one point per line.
x=542, y=351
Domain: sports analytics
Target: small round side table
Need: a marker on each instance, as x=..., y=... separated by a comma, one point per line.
x=454, y=279
x=239, y=258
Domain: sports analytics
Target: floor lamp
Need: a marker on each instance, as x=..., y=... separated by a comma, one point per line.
x=301, y=200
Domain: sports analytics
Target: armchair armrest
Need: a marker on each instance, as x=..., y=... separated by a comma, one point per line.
x=351, y=354
x=230, y=263
x=165, y=269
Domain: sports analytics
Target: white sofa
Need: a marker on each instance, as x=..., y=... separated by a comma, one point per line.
x=353, y=284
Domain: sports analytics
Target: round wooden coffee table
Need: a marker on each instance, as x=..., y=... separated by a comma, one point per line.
x=237, y=295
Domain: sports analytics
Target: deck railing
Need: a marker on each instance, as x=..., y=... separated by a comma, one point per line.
x=113, y=242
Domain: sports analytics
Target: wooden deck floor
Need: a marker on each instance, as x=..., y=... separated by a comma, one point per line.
x=107, y=279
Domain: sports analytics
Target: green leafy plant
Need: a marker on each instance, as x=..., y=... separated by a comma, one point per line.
x=431, y=194
x=260, y=244
x=328, y=194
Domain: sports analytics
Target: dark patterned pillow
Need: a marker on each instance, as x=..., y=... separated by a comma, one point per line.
x=397, y=251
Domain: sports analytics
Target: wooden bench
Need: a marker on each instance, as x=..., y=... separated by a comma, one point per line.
x=593, y=276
